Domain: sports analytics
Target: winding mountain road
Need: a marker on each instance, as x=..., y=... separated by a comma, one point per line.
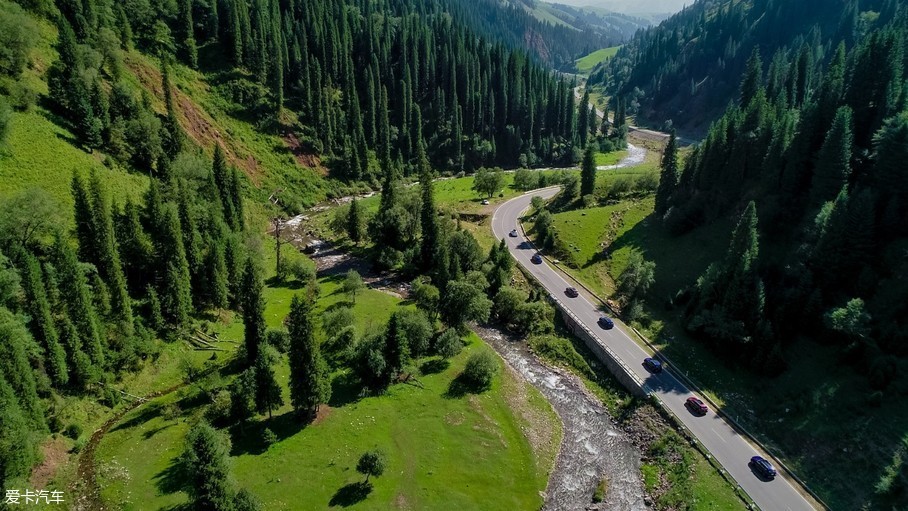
x=729, y=447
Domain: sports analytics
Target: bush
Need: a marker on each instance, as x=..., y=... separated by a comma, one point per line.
x=219, y=410
x=480, y=370
x=268, y=436
x=449, y=344
x=73, y=431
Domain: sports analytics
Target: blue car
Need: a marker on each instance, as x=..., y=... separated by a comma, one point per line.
x=606, y=323
x=536, y=259
x=762, y=467
x=652, y=365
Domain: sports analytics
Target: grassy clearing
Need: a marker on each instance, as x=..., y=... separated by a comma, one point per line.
x=586, y=63
x=611, y=158
x=434, y=441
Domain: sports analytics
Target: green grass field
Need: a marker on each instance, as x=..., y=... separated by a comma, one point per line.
x=611, y=158
x=435, y=442
x=586, y=63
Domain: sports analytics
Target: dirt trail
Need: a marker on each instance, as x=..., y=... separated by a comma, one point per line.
x=593, y=447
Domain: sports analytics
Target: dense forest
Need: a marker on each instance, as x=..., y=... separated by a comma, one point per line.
x=811, y=158
x=342, y=75
x=685, y=69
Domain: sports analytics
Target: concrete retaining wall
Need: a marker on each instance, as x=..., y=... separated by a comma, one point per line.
x=615, y=366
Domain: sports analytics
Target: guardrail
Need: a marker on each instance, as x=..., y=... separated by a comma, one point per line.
x=688, y=383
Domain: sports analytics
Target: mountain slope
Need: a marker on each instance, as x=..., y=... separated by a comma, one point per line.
x=686, y=69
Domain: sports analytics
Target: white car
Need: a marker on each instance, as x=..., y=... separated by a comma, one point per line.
x=485, y=202
x=513, y=233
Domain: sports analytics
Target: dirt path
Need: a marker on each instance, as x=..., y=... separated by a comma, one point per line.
x=593, y=448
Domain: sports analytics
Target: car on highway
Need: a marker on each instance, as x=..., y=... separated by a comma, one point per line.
x=571, y=292
x=513, y=233
x=606, y=323
x=652, y=365
x=536, y=259
x=762, y=467
x=696, y=405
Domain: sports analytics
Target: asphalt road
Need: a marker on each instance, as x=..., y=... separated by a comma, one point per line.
x=730, y=449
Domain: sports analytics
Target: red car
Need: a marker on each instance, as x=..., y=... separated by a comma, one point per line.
x=696, y=405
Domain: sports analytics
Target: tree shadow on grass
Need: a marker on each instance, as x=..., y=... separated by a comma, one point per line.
x=149, y=412
x=172, y=479
x=249, y=438
x=434, y=366
x=345, y=389
x=461, y=386
x=351, y=494
x=288, y=283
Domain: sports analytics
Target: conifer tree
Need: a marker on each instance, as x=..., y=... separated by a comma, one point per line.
x=267, y=391
x=753, y=78
x=207, y=458
x=42, y=321
x=217, y=277
x=176, y=292
x=310, y=383
x=668, y=179
x=108, y=256
x=76, y=294
x=428, y=219
x=588, y=172
x=833, y=165
x=583, y=119
x=253, y=306
x=186, y=34
x=354, y=223
x=15, y=368
x=395, y=346
x=173, y=134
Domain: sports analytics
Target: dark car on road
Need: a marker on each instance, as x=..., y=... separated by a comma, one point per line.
x=606, y=323
x=571, y=292
x=762, y=467
x=513, y=233
x=652, y=365
x=536, y=259
x=696, y=405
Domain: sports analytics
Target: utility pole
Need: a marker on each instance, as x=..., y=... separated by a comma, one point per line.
x=278, y=222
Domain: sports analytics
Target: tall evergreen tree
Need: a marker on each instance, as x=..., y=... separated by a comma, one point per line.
x=108, y=256
x=267, y=391
x=42, y=321
x=175, y=289
x=833, y=165
x=310, y=384
x=253, y=306
x=668, y=179
x=588, y=171
x=207, y=459
x=77, y=297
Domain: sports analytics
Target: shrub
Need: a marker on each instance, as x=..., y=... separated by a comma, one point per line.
x=268, y=437
x=480, y=370
x=449, y=344
x=73, y=431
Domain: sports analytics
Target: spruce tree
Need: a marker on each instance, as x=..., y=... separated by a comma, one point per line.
x=668, y=179
x=175, y=289
x=395, y=347
x=354, y=222
x=833, y=165
x=186, y=34
x=588, y=172
x=753, y=78
x=310, y=383
x=173, y=134
x=76, y=294
x=267, y=391
x=253, y=307
x=207, y=459
x=15, y=368
x=108, y=256
x=583, y=119
x=217, y=276
x=428, y=219
x=42, y=321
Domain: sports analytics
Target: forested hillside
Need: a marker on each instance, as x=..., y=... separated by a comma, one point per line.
x=811, y=158
x=555, y=34
x=686, y=69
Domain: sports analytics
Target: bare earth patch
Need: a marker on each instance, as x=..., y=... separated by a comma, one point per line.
x=54, y=453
